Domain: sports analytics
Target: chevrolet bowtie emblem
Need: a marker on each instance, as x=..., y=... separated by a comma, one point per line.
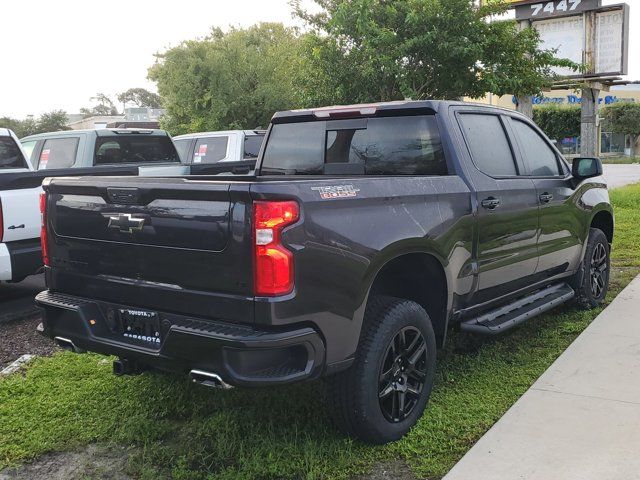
x=125, y=223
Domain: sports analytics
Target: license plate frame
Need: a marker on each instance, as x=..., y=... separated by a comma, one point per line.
x=141, y=326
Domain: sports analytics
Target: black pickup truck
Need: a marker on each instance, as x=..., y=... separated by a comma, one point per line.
x=365, y=233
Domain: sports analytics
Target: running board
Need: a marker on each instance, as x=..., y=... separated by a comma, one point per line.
x=508, y=316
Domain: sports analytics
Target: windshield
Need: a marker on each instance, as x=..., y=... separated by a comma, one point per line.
x=10, y=155
x=135, y=149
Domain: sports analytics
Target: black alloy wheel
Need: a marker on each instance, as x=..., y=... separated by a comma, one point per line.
x=402, y=374
x=385, y=391
x=591, y=282
x=599, y=270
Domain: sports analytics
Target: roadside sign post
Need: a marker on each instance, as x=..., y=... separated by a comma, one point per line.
x=585, y=32
x=589, y=125
x=524, y=103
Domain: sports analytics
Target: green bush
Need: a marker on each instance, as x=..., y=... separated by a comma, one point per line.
x=557, y=121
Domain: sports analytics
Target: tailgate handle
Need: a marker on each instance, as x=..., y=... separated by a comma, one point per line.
x=126, y=196
x=15, y=227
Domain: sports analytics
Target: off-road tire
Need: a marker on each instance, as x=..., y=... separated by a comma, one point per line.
x=354, y=395
x=588, y=296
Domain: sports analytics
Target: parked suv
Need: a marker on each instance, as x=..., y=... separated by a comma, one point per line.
x=365, y=233
x=150, y=151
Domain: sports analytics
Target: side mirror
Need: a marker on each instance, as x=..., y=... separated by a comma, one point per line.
x=584, y=167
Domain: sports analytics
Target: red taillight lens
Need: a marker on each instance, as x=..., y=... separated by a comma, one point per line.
x=44, y=242
x=273, y=262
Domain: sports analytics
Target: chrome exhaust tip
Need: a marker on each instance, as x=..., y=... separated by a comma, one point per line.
x=208, y=379
x=67, y=344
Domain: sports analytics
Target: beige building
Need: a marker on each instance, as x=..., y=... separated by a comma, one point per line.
x=98, y=121
x=610, y=144
x=131, y=116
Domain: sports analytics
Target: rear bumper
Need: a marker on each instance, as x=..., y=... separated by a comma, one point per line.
x=240, y=355
x=19, y=259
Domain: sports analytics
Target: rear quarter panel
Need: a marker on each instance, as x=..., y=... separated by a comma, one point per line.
x=341, y=243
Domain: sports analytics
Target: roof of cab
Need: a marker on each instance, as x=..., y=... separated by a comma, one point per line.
x=100, y=132
x=371, y=110
x=219, y=133
x=4, y=132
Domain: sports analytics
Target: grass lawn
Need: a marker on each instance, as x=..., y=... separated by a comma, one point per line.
x=621, y=160
x=188, y=432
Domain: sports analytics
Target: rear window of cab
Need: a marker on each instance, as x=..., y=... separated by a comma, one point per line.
x=406, y=145
x=115, y=150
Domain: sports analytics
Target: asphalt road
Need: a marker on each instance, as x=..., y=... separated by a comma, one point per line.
x=16, y=300
x=621, y=175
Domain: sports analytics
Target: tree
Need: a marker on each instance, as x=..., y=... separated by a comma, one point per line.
x=19, y=127
x=624, y=117
x=104, y=106
x=558, y=122
x=140, y=97
x=373, y=50
x=53, y=121
x=234, y=79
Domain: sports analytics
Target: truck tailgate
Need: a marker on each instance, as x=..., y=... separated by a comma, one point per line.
x=169, y=244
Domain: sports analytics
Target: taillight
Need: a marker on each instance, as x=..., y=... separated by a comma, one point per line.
x=44, y=242
x=273, y=262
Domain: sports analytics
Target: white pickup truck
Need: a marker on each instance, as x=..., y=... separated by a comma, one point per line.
x=108, y=152
x=19, y=213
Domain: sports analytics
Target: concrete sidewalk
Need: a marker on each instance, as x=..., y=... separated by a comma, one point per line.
x=581, y=419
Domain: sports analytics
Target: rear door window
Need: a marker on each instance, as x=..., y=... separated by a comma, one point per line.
x=540, y=157
x=210, y=149
x=10, y=154
x=487, y=141
x=252, y=145
x=135, y=149
x=408, y=145
x=58, y=153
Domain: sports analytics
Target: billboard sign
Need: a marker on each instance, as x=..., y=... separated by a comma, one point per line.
x=568, y=35
x=538, y=9
x=611, y=44
x=564, y=34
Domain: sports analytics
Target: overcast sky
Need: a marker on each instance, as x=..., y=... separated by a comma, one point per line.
x=57, y=54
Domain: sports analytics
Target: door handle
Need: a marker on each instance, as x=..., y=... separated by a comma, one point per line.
x=546, y=197
x=491, y=203
x=15, y=227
